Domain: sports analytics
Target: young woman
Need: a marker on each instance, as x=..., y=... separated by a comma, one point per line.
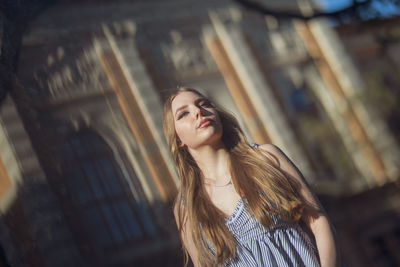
x=239, y=205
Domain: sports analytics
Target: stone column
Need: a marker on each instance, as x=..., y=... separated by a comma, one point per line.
x=140, y=104
x=376, y=153
x=266, y=114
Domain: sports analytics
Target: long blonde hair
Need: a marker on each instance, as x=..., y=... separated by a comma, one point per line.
x=255, y=175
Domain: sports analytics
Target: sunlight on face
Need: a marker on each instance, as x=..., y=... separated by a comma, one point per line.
x=196, y=121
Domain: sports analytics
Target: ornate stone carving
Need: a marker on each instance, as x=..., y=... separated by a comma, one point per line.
x=188, y=57
x=74, y=78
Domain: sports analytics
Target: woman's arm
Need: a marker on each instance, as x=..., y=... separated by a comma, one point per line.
x=318, y=222
x=187, y=239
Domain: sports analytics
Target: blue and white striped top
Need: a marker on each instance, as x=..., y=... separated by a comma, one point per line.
x=282, y=245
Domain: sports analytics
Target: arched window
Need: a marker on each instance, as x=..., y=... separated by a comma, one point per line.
x=112, y=215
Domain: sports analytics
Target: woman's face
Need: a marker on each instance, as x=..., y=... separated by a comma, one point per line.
x=196, y=121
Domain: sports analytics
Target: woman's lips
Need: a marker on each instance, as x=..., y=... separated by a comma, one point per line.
x=204, y=123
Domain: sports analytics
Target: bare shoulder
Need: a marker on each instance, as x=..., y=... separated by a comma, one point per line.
x=289, y=168
x=273, y=150
x=283, y=160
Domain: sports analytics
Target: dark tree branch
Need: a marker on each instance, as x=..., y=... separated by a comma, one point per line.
x=15, y=16
x=263, y=10
x=11, y=44
x=22, y=10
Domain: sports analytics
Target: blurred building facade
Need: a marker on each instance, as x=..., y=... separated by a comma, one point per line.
x=86, y=178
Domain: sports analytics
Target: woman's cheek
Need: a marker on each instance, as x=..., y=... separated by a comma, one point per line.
x=183, y=133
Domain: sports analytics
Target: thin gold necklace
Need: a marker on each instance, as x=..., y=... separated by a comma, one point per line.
x=214, y=185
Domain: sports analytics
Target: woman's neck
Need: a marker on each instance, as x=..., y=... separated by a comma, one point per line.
x=213, y=161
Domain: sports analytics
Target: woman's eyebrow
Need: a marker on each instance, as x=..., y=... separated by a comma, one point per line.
x=178, y=109
x=198, y=100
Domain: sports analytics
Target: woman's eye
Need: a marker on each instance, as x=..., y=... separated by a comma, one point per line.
x=183, y=114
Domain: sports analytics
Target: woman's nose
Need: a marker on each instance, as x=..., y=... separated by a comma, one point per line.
x=197, y=112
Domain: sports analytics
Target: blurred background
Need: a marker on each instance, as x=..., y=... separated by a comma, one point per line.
x=85, y=174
